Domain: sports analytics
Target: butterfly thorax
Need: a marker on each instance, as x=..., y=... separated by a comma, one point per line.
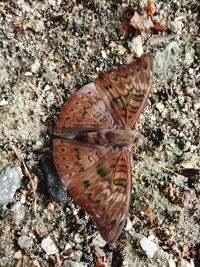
x=114, y=137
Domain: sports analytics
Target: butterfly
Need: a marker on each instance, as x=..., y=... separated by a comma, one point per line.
x=93, y=136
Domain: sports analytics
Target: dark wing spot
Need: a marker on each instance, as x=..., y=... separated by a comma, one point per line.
x=120, y=182
x=101, y=171
x=86, y=183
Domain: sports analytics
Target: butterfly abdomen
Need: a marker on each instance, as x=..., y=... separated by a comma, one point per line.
x=111, y=137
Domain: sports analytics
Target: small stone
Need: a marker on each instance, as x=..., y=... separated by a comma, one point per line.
x=69, y=263
x=197, y=106
x=160, y=106
x=185, y=263
x=25, y=242
x=67, y=247
x=39, y=26
x=103, y=53
x=19, y=212
x=98, y=241
x=49, y=246
x=188, y=90
x=136, y=46
x=35, y=67
x=121, y=49
x=153, y=118
x=28, y=73
x=3, y=103
x=77, y=255
x=59, y=2
x=149, y=247
x=189, y=56
x=171, y=263
x=166, y=60
x=10, y=181
x=50, y=75
x=17, y=255
x=77, y=238
x=191, y=71
x=23, y=199
x=129, y=225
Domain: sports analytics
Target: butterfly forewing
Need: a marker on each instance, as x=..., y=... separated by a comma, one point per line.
x=85, y=109
x=125, y=90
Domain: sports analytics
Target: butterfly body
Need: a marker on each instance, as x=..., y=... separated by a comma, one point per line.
x=105, y=137
x=93, y=135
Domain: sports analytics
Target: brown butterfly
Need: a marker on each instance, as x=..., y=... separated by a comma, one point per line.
x=93, y=135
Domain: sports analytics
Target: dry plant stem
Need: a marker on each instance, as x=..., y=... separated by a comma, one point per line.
x=27, y=173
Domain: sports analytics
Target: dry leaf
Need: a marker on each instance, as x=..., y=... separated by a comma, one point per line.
x=158, y=27
x=149, y=7
x=141, y=22
x=125, y=27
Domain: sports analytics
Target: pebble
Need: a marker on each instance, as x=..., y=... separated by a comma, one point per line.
x=136, y=46
x=18, y=255
x=98, y=241
x=67, y=247
x=69, y=263
x=185, y=263
x=129, y=225
x=149, y=247
x=191, y=71
x=28, y=73
x=187, y=90
x=35, y=67
x=10, y=181
x=49, y=246
x=77, y=255
x=166, y=60
x=171, y=263
x=103, y=53
x=19, y=212
x=160, y=106
x=3, y=103
x=197, y=106
x=77, y=238
x=25, y=242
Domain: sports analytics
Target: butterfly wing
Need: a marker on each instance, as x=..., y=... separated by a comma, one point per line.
x=84, y=109
x=103, y=191
x=72, y=158
x=125, y=90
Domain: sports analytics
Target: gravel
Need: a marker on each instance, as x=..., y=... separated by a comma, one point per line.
x=48, y=50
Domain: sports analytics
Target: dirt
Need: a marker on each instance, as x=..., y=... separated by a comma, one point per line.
x=49, y=49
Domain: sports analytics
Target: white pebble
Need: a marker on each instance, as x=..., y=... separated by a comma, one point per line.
x=49, y=246
x=160, y=106
x=149, y=247
x=103, y=53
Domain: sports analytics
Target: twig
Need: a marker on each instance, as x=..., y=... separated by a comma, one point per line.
x=27, y=173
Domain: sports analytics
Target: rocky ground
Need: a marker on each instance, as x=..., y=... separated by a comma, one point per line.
x=48, y=50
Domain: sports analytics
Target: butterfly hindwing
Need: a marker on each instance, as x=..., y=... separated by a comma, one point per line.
x=125, y=90
x=103, y=191
x=72, y=158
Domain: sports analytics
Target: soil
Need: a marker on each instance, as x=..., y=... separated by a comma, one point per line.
x=48, y=50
